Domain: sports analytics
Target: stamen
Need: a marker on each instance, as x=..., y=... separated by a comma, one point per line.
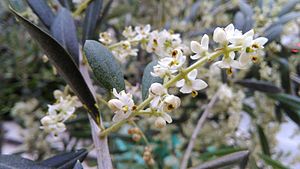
x=194, y=93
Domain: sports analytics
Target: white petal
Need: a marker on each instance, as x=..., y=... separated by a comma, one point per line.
x=249, y=33
x=229, y=30
x=180, y=83
x=195, y=57
x=115, y=93
x=244, y=59
x=167, y=117
x=193, y=74
x=118, y=117
x=199, y=84
x=195, y=47
x=232, y=55
x=261, y=41
x=205, y=42
x=219, y=35
x=186, y=89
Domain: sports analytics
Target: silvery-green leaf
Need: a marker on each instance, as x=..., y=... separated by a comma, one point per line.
x=148, y=79
x=275, y=164
x=90, y=20
x=65, y=160
x=239, y=20
x=288, y=7
x=64, y=64
x=64, y=31
x=17, y=162
x=273, y=32
x=262, y=86
x=43, y=11
x=106, y=69
x=263, y=141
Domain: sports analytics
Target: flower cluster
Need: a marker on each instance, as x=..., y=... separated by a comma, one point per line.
x=59, y=112
x=172, y=61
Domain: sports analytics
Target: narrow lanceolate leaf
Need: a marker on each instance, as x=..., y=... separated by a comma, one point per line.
x=17, y=162
x=78, y=165
x=289, y=100
x=90, y=20
x=148, y=79
x=273, y=163
x=273, y=32
x=43, y=11
x=262, y=86
x=64, y=31
x=65, y=160
x=18, y=5
x=263, y=140
x=106, y=69
x=288, y=7
x=63, y=63
x=238, y=158
x=239, y=20
x=246, y=9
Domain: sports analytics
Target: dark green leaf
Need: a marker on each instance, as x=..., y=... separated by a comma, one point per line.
x=64, y=31
x=285, y=74
x=43, y=11
x=219, y=152
x=148, y=79
x=237, y=158
x=263, y=140
x=63, y=63
x=17, y=162
x=246, y=9
x=290, y=100
x=91, y=15
x=275, y=164
x=292, y=113
x=262, y=86
x=288, y=7
x=78, y=165
x=288, y=17
x=65, y=160
x=106, y=69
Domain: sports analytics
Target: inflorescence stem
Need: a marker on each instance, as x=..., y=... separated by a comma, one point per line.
x=171, y=82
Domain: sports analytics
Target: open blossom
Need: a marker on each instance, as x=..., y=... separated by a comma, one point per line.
x=190, y=84
x=105, y=38
x=170, y=103
x=200, y=49
x=59, y=112
x=123, y=51
x=175, y=61
x=129, y=33
x=251, y=52
x=142, y=32
x=222, y=36
x=123, y=106
x=228, y=62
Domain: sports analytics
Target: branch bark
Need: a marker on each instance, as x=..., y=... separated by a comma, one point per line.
x=197, y=130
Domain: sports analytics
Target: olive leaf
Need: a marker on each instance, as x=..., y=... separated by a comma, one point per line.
x=288, y=7
x=91, y=15
x=78, y=165
x=43, y=11
x=64, y=31
x=17, y=162
x=65, y=160
x=263, y=140
x=239, y=20
x=262, y=86
x=238, y=158
x=106, y=69
x=63, y=63
x=247, y=10
x=148, y=79
x=275, y=164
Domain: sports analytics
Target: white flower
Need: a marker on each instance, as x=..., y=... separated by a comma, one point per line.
x=228, y=62
x=157, y=91
x=105, y=38
x=170, y=103
x=129, y=33
x=162, y=120
x=251, y=52
x=239, y=39
x=191, y=84
x=174, y=62
x=124, y=51
x=152, y=45
x=200, y=49
x=222, y=36
x=122, y=107
x=161, y=71
x=167, y=43
x=142, y=31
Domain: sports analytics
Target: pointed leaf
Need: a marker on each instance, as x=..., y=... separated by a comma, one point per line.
x=263, y=140
x=273, y=32
x=262, y=86
x=287, y=99
x=17, y=162
x=148, y=79
x=239, y=158
x=288, y=7
x=65, y=160
x=63, y=63
x=273, y=163
x=106, y=69
x=91, y=16
x=239, y=20
x=64, y=31
x=43, y=11
x=78, y=165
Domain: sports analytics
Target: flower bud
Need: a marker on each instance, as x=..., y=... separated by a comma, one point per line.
x=219, y=35
x=115, y=104
x=46, y=120
x=160, y=122
x=136, y=137
x=157, y=89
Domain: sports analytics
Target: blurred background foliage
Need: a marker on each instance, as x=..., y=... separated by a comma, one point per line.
x=268, y=93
